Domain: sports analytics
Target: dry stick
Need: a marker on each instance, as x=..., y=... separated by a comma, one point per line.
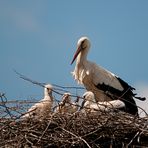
x=45, y=129
x=28, y=140
x=138, y=139
x=68, y=87
x=77, y=137
x=55, y=90
x=43, y=84
x=20, y=102
x=27, y=79
x=133, y=138
x=4, y=104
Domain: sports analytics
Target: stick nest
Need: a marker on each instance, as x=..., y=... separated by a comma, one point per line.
x=91, y=130
x=75, y=130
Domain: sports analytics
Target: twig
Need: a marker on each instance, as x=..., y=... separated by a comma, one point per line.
x=45, y=130
x=28, y=140
x=67, y=87
x=28, y=79
x=76, y=137
x=4, y=104
x=133, y=138
x=43, y=84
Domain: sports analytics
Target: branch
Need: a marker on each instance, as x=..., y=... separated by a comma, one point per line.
x=76, y=137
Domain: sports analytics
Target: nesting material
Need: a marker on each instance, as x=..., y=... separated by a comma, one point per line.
x=101, y=129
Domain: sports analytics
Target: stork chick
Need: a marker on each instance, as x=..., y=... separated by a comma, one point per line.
x=66, y=105
x=90, y=105
x=43, y=108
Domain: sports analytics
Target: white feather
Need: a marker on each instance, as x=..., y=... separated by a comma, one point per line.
x=42, y=109
x=90, y=74
x=91, y=105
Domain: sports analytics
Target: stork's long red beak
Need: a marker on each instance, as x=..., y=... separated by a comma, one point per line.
x=76, y=54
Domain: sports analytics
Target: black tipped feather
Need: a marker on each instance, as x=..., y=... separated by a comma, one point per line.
x=141, y=98
x=126, y=86
x=126, y=95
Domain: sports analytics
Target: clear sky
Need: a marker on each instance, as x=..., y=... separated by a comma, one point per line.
x=38, y=38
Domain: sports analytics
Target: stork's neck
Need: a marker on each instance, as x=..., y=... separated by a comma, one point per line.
x=82, y=57
x=46, y=94
x=80, y=68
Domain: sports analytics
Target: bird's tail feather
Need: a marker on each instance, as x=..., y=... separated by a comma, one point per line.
x=141, y=98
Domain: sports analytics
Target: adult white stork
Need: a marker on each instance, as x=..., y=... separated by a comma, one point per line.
x=105, y=85
x=89, y=104
x=66, y=105
x=42, y=109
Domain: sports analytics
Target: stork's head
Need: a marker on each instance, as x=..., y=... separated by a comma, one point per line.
x=48, y=89
x=83, y=45
x=66, y=98
x=89, y=96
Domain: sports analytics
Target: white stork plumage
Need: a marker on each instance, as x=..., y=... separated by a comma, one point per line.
x=89, y=104
x=42, y=109
x=105, y=85
x=66, y=105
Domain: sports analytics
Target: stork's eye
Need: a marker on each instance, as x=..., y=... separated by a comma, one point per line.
x=48, y=89
x=83, y=45
x=82, y=42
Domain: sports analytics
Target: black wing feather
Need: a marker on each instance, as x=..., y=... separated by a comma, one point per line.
x=126, y=95
x=128, y=90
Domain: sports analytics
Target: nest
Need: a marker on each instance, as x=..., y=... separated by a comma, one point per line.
x=92, y=130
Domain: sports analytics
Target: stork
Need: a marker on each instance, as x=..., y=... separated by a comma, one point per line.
x=89, y=104
x=105, y=85
x=66, y=105
x=43, y=108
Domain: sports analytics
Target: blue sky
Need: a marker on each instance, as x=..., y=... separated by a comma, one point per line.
x=38, y=39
